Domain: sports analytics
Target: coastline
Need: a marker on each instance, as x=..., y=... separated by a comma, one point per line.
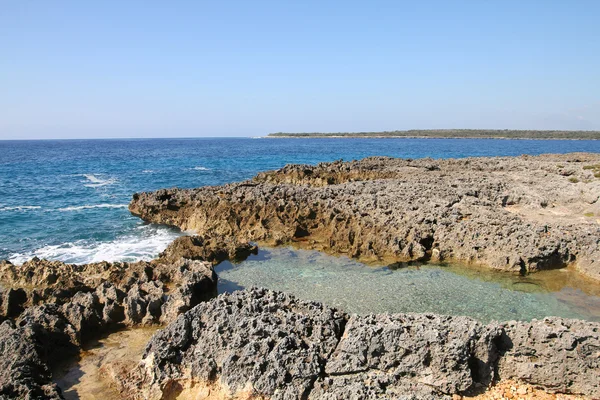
x=417, y=137
x=518, y=215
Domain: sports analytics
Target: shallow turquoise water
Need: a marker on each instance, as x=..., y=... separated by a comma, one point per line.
x=357, y=288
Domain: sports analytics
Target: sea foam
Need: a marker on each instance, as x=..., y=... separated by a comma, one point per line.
x=97, y=182
x=88, y=207
x=20, y=208
x=143, y=244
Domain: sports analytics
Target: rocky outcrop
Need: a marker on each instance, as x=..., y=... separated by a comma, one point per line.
x=265, y=344
x=213, y=250
x=51, y=308
x=560, y=355
x=130, y=293
x=24, y=372
x=518, y=214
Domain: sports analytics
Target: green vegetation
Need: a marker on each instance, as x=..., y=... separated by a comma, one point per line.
x=456, y=133
x=573, y=179
x=589, y=214
x=595, y=169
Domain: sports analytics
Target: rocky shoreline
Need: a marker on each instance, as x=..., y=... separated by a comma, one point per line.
x=518, y=215
x=50, y=309
x=265, y=344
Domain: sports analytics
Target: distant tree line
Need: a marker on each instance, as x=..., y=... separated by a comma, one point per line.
x=455, y=133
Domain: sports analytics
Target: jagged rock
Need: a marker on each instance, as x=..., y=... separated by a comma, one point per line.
x=516, y=214
x=209, y=249
x=263, y=341
x=560, y=355
x=60, y=307
x=23, y=370
x=263, y=344
x=120, y=292
x=396, y=355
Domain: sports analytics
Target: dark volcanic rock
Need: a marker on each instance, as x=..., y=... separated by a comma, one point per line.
x=517, y=214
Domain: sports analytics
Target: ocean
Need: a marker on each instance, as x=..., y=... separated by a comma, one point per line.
x=67, y=199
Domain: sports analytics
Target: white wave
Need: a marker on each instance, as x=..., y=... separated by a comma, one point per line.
x=88, y=207
x=201, y=168
x=144, y=244
x=98, y=182
x=148, y=171
x=20, y=208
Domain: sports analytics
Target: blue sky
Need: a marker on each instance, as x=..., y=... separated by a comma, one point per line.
x=244, y=68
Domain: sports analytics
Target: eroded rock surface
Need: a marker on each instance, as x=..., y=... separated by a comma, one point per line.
x=50, y=309
x=264, y=344
x=213, y=250
x=518, y=214
x=561, y=355
x=265, y=341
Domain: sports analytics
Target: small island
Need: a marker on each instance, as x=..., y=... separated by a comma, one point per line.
x=450, y=133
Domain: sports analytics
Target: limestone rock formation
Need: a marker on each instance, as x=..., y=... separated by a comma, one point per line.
x=264, y=344
x=517, y=214
x=561, y=355
x=50, y=309
x=124, y=292
x=209, y=249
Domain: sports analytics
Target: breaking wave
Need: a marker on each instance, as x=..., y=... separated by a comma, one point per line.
x=88, y=207
x=144, y=244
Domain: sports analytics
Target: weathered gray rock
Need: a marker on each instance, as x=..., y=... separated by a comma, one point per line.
x=517, y=214
x=270, y=345
x=560, y=355
x=396, y=355
x=54, y=308
x=263, y=341
x=130, y=293
x=23, y=371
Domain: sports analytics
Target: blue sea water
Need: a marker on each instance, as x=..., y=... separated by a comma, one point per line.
x=67, y=199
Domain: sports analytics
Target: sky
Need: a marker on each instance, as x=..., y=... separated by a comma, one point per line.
x=95, y=69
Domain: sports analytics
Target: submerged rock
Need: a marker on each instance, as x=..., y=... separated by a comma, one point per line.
x=517, y=214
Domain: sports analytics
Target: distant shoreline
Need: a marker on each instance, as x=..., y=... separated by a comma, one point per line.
x=450, y=134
